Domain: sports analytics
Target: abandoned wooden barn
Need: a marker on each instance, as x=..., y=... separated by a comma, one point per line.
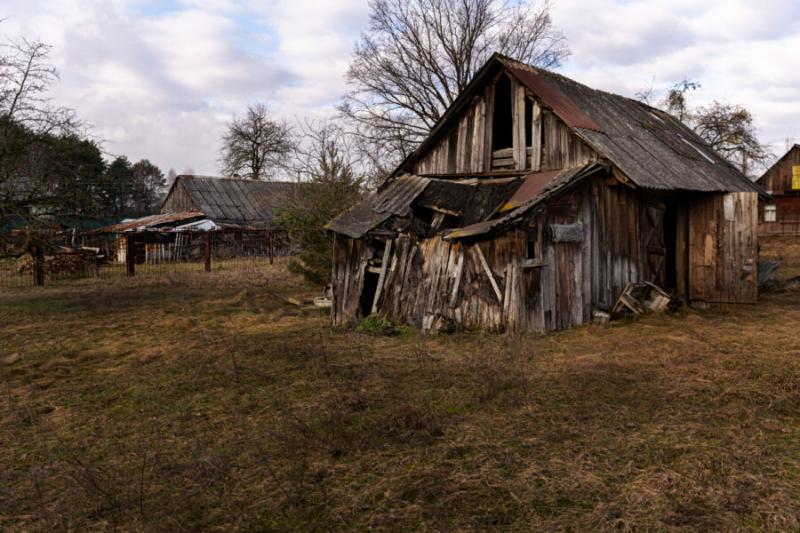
x=780, y=215
x=533, y=202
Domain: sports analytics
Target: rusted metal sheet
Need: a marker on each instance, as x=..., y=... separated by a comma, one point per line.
x=530, y=189
x=149, y=222
x=555, y=99
x=553, y=186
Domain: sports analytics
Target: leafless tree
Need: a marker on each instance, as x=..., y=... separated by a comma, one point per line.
x=418, y=55
x=28, y=120
x=256, y=145
x=729, y=130
x=333, y=172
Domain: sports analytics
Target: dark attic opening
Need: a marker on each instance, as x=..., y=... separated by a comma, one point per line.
x=528, y=123
x=502, y=123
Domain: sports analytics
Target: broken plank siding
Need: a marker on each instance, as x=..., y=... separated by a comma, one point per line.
x=350, y=258
x=445, y=282
x=723, y=253
x=461, y=149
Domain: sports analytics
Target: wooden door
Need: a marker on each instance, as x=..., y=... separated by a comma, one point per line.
x=723, y=254
x=654, y=249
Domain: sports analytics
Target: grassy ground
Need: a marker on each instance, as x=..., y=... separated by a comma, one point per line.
x=206, y=402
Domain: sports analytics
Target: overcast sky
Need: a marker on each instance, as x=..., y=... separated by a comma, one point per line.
x=158, y=79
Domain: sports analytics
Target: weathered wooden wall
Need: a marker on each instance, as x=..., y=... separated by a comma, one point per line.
x=433, y=282
x=778, y=179
x=778, y=182
x=723, y=255
x=178, y=200
x=466, y=145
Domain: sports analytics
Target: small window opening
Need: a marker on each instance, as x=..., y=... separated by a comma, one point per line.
x=528, y=123
x=425, y=214
x=502, y=123
x=770, y=213
x=532, y=241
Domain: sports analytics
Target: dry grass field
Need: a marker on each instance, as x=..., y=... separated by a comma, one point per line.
x=206, y=402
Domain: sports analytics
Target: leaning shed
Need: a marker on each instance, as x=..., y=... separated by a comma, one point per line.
x=533, y=202
x=780, y=215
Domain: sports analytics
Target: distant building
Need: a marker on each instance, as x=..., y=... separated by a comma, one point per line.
x=534, y=202
x=781, y=214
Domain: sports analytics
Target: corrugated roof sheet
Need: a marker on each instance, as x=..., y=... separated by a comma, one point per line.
x=151, y=222
x=236, y=202
x=651, y=147
x=394, y=198
x=530, y=189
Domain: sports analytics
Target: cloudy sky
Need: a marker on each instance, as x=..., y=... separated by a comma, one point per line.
x=159, y=78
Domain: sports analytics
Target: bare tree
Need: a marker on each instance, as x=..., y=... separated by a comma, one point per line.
x=29, y=125
x=256, y=145
x=332, y=169
x=418, y=55
x=729, y=130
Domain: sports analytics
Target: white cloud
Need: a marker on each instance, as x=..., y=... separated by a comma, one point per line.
x=159, y=78
x=742, y=52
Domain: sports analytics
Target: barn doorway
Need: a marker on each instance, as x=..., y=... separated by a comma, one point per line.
x=671, y=245
x=368, y=293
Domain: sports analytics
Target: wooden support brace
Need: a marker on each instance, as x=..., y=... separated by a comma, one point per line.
x=458, y=276
x=387, y=251
x=489, y=273
x=207, y=251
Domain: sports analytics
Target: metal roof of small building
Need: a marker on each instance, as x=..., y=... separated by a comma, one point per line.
x=235, y=202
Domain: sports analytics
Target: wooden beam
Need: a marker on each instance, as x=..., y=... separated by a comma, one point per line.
x=458, y=275
x=488, y=270
x=520, y=155
x=387, y=251
x=536, y=136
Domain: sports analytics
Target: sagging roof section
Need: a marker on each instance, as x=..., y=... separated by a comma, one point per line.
x=533, y=191
x=394, y=198
x=479, y=206
x=233, y=202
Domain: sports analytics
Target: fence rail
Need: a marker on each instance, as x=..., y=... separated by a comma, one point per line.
x=149, y=253
x=782, y=227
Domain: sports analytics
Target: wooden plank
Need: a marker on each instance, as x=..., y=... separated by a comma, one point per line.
x=458, y=275
x=520, y=155
x=488, y=271
x=487, y=130
x=387, y=251
x=536, y=134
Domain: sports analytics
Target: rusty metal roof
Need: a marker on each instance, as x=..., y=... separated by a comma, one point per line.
x=651, y=147
x=555, y=99
x=530, y=189
x=151, y=222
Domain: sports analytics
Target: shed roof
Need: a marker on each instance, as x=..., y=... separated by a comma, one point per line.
x=151, y=222
x=233, y=202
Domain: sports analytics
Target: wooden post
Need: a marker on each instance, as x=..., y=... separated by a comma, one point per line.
x=269, y=246
x=207, y=251
x=129, y=259
x=38, y=264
